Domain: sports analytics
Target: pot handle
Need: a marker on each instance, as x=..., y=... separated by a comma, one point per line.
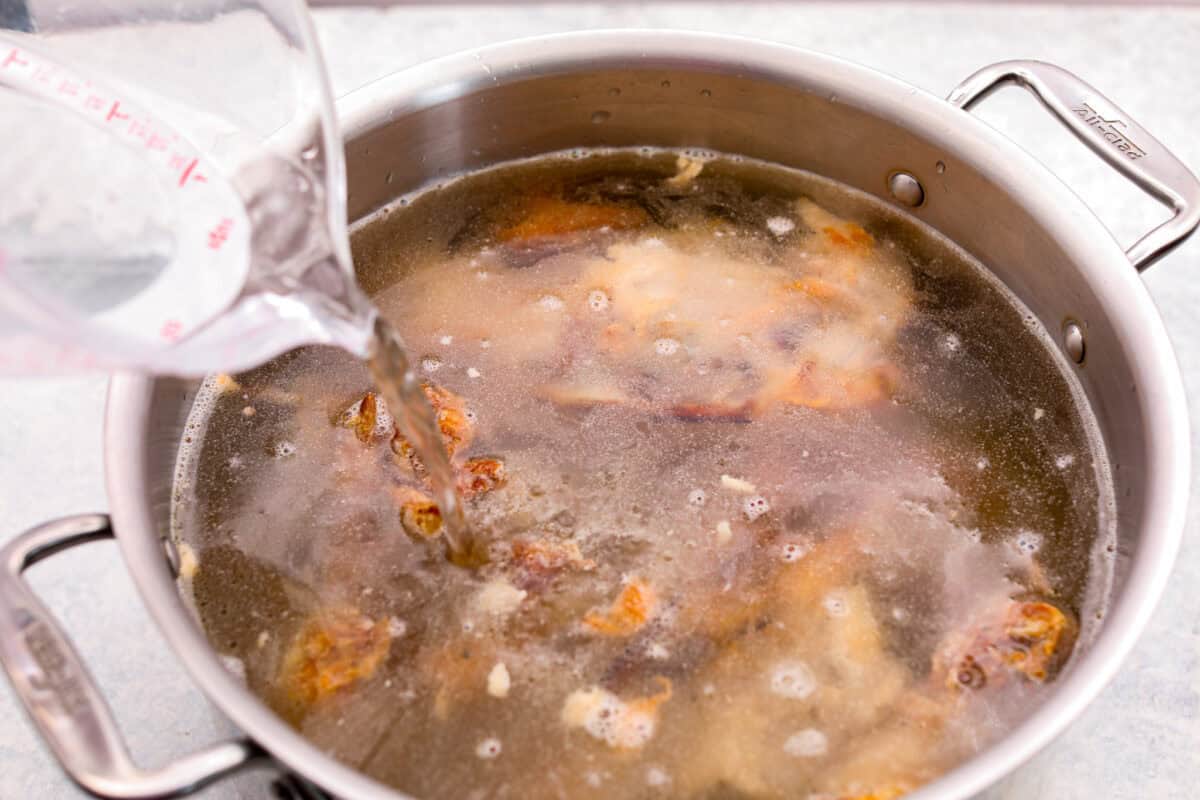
x=61, y=697
x=1111, y=134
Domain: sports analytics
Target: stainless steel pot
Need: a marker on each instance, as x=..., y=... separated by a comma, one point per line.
x=872, y=132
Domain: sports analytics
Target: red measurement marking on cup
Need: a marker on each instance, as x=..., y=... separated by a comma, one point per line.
x=115, y=113
x=220, y=233
x=171, y=330
x=187, y=173
x=14, y=59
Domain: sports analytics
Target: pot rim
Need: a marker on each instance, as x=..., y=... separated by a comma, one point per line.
x=963, y=136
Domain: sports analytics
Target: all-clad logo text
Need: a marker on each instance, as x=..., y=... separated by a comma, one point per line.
x=1110, y=130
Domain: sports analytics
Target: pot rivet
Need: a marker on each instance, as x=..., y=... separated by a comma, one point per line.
x=906, y=189
x=1073, y=342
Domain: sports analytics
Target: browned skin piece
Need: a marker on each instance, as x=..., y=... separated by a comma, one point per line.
x=539, y=561
x=1025, y=638
x=419, y=515
x=546, y=217
x=481, y=475
x=628, y=613
x=334, y=650
x=456, y=429
x=361, y=418
x=833, y=389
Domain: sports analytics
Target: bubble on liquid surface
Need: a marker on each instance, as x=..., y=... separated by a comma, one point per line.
x=697, y=497
x=234, y=666
x=431, y=364
x=950, y=344
x=488, y=749
x=1028, y=542
x=608, y=718
x=666, y=347
x=549, y=302
x=1064, y=461
x=284, y=449
x=808, y=743
x=657, y=777
x=754, y=507
x=597, y=300
x=793, y=552
x=835, y=604
x=780, y=226
x=793, y=679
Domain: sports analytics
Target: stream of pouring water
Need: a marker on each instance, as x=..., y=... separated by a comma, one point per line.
x=417, y=421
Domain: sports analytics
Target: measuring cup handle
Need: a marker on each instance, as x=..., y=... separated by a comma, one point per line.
x=60, y=695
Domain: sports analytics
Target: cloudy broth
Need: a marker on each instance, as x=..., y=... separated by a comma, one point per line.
x=776, y=494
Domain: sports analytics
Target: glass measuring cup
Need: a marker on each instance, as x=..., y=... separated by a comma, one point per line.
x=152, y=215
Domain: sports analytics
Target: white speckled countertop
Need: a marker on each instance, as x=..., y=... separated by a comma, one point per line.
x=1141, y=739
